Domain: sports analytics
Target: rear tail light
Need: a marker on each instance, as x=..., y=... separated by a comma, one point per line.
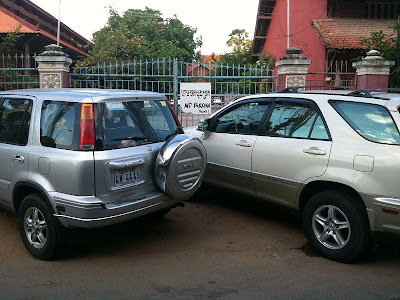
x=86, y=141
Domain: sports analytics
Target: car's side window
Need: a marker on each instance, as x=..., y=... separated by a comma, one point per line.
x=58, y=126
x=243, y=119
x=373, y=122
x=15, y=116
x=297, y=120
x=319, y=130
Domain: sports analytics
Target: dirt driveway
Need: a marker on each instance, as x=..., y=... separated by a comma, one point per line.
x=225, y=246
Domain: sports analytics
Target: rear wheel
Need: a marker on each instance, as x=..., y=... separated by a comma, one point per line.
x=336, y=224
x=37, y=227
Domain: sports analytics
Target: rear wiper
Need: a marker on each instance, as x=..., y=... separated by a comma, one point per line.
x=135, y=138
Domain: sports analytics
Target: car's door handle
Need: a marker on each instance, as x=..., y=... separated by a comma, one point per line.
x=18, y=159
x=244, y=143
x=314, y=151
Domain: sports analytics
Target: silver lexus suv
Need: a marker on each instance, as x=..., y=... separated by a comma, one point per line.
x=88, y=158
x=333, y=156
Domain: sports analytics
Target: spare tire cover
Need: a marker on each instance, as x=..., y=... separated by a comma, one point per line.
x=180, y=166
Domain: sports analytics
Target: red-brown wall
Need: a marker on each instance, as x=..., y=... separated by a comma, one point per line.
x=302, y=33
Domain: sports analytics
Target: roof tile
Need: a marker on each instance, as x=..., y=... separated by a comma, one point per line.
x=9, y=24
x=347, y=33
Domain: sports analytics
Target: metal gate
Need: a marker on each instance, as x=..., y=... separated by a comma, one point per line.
x=18, y=71
x=228, y=82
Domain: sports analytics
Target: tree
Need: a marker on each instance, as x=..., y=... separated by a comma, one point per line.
x=388, y=45
x=241, y=48
x=10, y=39
x=142, y=34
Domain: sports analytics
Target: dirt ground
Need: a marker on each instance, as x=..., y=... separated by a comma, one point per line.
x=225, y=246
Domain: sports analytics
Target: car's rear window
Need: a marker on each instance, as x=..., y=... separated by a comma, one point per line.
x=371, y=121
x=132, y=123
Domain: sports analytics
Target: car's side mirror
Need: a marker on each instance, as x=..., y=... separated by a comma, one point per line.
x=200, y=125
x=207, y=125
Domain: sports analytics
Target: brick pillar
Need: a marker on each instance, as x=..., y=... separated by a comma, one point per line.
x=292, y=68
x=373, y=71
x=53, y=66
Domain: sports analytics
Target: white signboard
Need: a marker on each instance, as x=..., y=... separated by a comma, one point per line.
x=196, y=98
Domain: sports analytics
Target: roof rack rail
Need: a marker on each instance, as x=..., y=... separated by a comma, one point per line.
x=367, y=92
x=295, y=89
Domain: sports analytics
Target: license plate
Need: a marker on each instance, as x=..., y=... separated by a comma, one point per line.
x=126, y=176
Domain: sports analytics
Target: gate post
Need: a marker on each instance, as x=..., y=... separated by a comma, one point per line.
x=53, y=66
x=175, y=81
x=292, y=68
x=373, y=71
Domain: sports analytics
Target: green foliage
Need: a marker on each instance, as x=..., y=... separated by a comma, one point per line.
x=241, y=55
x=241, y=48
x=9, y=41
x=142, y=34
x=388, y=45
x=267, y=59
x=11, y=79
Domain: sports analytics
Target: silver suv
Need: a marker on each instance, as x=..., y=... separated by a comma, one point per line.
x=88, y=158
x=333, y=156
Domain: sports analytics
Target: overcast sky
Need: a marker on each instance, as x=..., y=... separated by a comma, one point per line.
x=214, y=19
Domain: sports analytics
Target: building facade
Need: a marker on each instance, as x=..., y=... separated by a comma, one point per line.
x=328, y=31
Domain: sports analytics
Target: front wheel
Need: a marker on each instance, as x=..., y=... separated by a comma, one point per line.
x=37, y=227
x=336, y=224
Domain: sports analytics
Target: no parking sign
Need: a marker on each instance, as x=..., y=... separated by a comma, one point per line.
x=195, y=98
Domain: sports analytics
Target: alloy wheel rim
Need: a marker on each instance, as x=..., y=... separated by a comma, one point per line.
x=35, y=227
x=331, y=227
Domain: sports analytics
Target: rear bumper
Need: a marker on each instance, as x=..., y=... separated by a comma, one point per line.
x=89, y=211
x=383, y=213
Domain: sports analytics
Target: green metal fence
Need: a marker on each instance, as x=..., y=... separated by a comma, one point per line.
x=228, y=82
x=18, y=71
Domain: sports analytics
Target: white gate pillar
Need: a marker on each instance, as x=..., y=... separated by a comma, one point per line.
x=53, y=66
x=292, y=68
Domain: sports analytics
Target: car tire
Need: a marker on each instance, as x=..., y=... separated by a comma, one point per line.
x=336, y=224
x=38, y=227
x=180, y=166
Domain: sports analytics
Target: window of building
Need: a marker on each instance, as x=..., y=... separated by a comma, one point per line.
x=382, y=10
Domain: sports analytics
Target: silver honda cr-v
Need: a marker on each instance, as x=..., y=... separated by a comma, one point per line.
x=89, y=158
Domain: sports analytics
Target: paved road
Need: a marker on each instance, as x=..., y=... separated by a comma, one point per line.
x=225, y=246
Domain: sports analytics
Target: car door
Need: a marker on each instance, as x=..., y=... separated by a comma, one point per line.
x=230, y=144
x=15, y=116
x=294, y=146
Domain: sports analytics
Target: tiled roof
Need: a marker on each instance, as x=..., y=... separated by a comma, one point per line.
x=29, y=18
x=9, y=24
x=210, y=58
x=347, y=33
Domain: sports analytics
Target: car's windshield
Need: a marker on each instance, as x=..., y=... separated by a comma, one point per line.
x=132, y=123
